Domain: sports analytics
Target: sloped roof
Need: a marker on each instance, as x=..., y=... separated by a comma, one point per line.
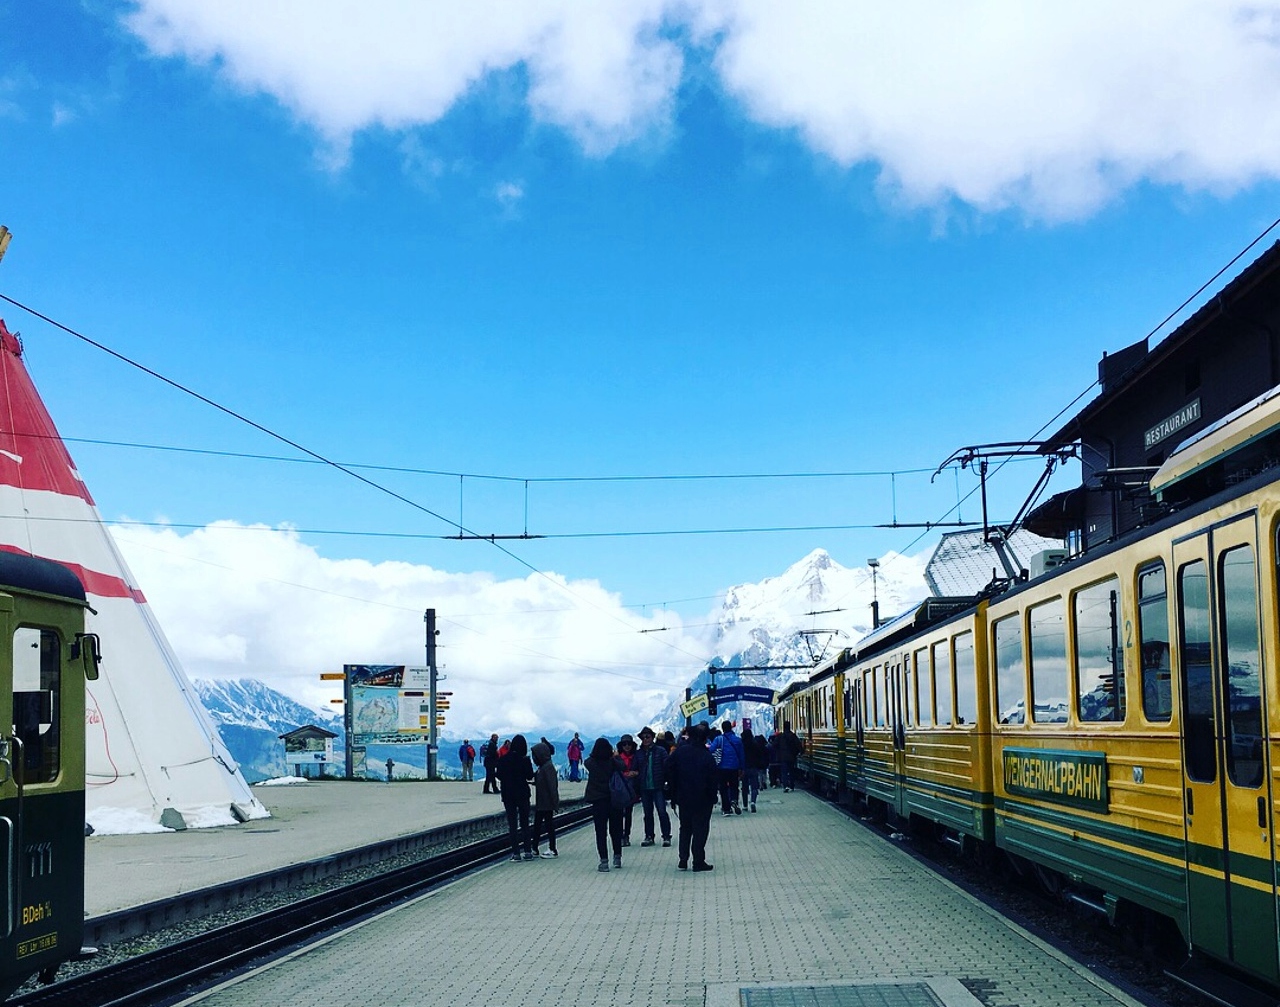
x=964, y=564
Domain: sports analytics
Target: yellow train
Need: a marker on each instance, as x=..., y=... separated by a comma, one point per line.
x=1114, y=724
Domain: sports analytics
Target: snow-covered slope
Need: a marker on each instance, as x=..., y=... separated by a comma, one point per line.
x=251, y=716
x=791, y=622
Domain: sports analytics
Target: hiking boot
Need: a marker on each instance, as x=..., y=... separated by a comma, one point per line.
x=515, y=858
x=548, y=854
x=648, y=842
x=666, y=841
x=604, y=867
x=617, y=861
x=704, y=867
x=737, y=810
x=753, y=807
x=528, y=855
x=682, y=866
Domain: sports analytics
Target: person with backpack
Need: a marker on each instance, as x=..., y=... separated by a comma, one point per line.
x=466, y=756
x=609, y=795
x=489, y=756
x=752, y=769
x=733, y=763
x=575, y=758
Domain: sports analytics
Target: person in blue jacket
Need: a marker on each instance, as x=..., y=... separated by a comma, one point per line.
x=733, y=763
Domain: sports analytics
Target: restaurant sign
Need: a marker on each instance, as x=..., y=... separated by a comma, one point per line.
x=1170, y=425
x=1075, y=778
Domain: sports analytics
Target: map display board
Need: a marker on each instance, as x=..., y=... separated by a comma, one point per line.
x=388, y=719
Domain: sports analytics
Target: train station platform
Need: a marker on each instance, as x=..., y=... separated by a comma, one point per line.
x=308, y=821
x=804, y=908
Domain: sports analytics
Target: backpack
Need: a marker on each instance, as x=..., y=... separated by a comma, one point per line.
x=621, y=796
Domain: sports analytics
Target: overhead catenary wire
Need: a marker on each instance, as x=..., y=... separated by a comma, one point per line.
x=337, y=466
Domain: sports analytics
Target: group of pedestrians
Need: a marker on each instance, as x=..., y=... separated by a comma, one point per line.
x=689, y=775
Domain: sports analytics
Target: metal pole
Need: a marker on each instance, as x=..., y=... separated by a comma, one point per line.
x=432, y=737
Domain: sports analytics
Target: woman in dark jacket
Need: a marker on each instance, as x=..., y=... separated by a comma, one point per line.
x=600, y=765
x=515, y=771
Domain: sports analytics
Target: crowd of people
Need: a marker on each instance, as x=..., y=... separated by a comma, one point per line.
x=688, y=775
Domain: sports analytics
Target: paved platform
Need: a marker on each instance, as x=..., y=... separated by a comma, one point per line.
x=308, y=821
x=804, y=908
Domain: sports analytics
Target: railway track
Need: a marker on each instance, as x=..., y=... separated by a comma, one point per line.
x=162, y=975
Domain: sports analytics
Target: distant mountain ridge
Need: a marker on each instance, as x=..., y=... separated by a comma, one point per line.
x=251, y=716
x=792, y=622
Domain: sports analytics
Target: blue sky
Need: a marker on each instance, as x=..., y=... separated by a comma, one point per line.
x=642, y=239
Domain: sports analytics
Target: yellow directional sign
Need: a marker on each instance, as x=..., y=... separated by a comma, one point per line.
x=695, y=705
x=332, y=676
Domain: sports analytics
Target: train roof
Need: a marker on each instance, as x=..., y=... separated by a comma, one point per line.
x=928, y=612
x=39, y=576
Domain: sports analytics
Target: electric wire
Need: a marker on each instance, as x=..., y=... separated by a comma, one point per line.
x=378, y=487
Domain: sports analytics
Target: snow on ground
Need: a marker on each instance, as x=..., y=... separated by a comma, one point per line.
x=283, y=781
x=122, y=822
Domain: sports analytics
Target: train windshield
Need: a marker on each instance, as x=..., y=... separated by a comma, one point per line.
x=37, y=681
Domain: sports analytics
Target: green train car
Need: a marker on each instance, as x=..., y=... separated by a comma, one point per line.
x=45, y=664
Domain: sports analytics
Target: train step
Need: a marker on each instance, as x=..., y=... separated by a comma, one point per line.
x=1209, y=981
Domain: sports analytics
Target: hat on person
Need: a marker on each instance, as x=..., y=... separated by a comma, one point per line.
x=648, y=731
x=626, y=739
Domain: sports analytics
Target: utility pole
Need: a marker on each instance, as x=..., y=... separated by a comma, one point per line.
x=432, y=737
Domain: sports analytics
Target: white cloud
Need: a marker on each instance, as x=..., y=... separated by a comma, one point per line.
x=519, y=654
x=1050, y=108
x=508, y=194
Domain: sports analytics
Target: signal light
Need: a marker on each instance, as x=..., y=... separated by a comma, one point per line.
x=711, y=700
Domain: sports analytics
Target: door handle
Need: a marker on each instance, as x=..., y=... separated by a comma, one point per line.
x=1191, y=804
x=1262, y=812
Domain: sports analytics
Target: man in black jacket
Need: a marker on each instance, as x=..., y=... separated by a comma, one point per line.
x=651, y=766
x=693, y=779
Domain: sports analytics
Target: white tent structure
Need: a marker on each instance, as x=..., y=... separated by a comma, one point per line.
x=153, y=757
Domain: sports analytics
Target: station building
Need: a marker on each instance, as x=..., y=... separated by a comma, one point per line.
x=1221, y=360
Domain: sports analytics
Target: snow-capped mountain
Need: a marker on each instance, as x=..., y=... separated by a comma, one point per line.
x=792, y=622
x=251, y=716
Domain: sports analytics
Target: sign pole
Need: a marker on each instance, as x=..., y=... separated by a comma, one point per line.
x=432, y=737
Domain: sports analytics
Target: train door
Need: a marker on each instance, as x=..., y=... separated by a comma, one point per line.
x=1231, y=881
x=898, y=717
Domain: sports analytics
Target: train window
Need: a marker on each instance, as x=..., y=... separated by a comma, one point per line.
x=942, y=682
x=1011, y=672
x=1099, y=665
x=1153, y=634
x=1048, y=653
x=966, y=681
x=908, y=691
x=877, y=701
x=37, y=707
x=1195, y=659
x=1244, y=725
x=890, y=700
x=924, y=683
x=863, y=698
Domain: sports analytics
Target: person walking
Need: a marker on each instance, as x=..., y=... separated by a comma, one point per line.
x=692, y=779
x=466, y=756
x=546, y=800
x=489, y=754
x=601, y=766
x=733, y=763
x=627, y=753
x=515, y=773
x=650, y=764
x=575, y=758
x=789, y=748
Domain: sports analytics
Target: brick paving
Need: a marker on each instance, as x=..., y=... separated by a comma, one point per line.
x=799, y=896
